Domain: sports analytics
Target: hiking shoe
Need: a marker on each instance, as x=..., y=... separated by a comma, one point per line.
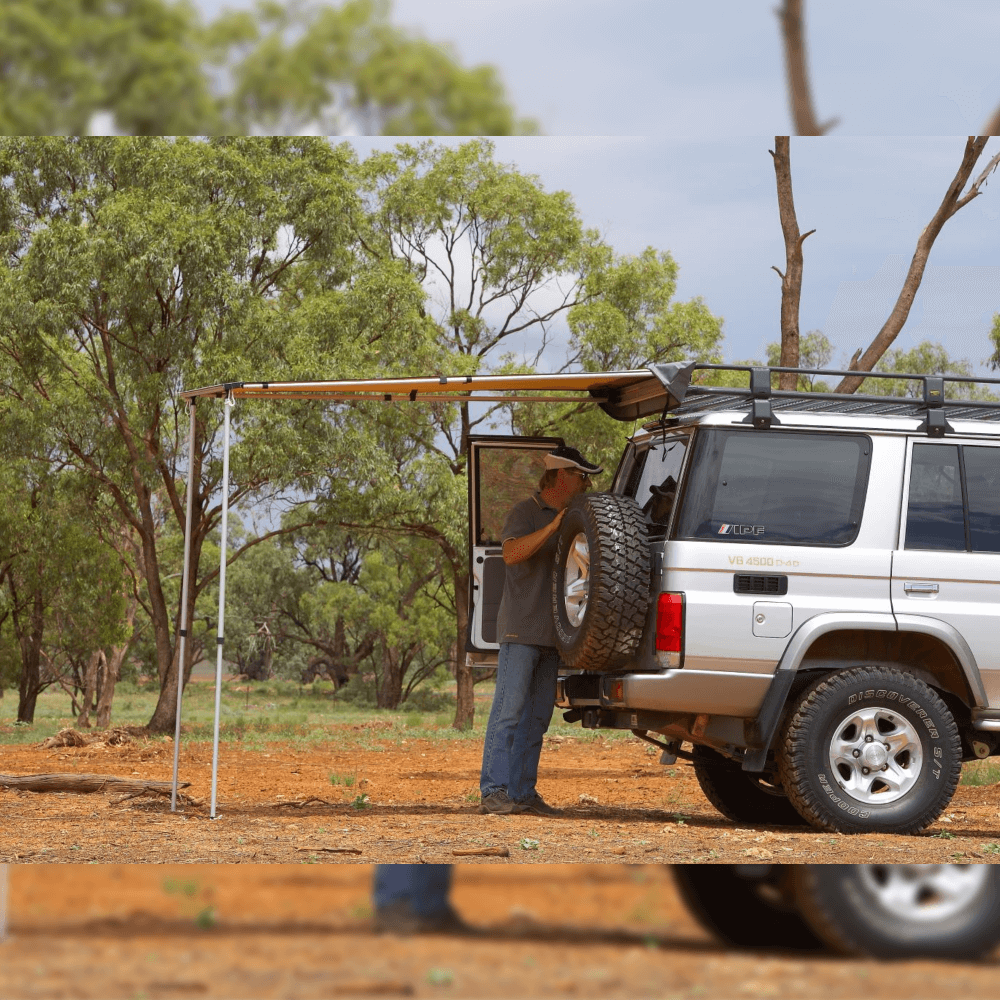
x=399, y=918
x=537, y=806
x=499, y=804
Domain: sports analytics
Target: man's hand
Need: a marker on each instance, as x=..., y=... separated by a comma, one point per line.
x=519, y=550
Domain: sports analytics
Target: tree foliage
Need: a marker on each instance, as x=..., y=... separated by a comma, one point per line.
x=132, y=268
x=155, y=69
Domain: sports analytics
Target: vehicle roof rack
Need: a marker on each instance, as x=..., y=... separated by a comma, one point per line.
x=762, y=402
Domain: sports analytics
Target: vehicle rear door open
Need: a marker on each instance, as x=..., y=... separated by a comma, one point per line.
x=502, y=472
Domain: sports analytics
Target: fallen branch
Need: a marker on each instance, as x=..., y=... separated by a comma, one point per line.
x=299, y=803
x=484, y=852
x=330, y=850
x=118, y=737
x=84, y=784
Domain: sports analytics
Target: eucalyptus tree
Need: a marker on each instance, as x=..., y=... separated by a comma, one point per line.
x=513, y=278
x=61, y=588
x=132, y=268
x=154, y=67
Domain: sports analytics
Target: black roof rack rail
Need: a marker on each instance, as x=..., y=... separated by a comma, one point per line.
x=932, y=406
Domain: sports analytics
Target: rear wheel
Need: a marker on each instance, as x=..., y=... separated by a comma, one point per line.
x=871, y=750
x=747, y=906
x=739, y=795
x=902, y=911
x=601, y=582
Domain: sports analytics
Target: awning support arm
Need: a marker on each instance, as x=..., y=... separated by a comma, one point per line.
x=222, y=600
x=185, y=590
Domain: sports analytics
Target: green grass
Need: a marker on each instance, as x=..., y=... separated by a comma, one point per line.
x=278, y=711
x=981, y=772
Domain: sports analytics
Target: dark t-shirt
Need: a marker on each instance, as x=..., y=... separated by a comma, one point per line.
x=526, y=608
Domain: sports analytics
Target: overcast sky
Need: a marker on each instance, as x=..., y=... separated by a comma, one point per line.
x=634, y=95
x=673, y=67
x=712, y=203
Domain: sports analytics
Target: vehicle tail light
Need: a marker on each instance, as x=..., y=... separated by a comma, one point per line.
x=670, y=629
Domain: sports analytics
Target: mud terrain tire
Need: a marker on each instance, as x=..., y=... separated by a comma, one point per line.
x=947, y=912
x=870, y=750
x=739, y=795
x=601, y=582
x=745, y=911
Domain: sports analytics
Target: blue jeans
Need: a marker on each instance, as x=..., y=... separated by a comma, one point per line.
x=426, y=887
x=522, y=710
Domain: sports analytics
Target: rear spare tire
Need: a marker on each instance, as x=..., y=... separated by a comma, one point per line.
x=601, y=582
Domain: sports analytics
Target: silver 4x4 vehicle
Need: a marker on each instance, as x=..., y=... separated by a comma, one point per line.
x=804, y=588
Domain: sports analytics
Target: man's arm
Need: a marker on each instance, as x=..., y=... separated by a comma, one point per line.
x=518, y=550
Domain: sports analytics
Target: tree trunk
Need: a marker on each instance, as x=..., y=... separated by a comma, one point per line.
x=164, y=624
x=30, y=641
x=89, y=688
x=465, y=700
x=165, y=713
x=390, y=681
x=791, y=280
x=112, y=674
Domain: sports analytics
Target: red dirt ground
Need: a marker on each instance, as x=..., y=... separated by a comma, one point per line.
x=129, y=932
x=420, y=804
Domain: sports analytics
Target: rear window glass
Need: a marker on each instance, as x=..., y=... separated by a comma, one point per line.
x=935, y=515
x=507, y=475
x=776, y=487
x=949, y=511
x=982, y=470
x=653, y=481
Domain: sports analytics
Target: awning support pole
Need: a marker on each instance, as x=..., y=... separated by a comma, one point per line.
x=185, y=590
x=4, y=869
x=222, y=600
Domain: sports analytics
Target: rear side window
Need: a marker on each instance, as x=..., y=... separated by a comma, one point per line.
x=935, y=515
x=954, y=502
x=778, y=487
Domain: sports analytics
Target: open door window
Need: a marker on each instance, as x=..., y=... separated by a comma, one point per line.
x=502, y=472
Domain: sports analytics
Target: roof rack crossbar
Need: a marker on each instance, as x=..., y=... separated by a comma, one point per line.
x=932, y=405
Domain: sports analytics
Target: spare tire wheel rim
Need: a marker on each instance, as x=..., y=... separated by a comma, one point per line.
x=876, y=755
x=576, y=580
x=919, y=893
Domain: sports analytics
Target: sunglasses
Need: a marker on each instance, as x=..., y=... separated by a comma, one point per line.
x=585, y=476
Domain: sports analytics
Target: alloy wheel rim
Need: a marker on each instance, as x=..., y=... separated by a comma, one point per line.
x=876, y=755
x=924, y=893
x=576, y=588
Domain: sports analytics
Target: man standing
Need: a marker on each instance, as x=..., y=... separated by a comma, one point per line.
x=413, y=899
x=529, y=661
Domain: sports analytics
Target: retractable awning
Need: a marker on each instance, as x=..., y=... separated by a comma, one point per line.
x=627, y=395
x=622, y=395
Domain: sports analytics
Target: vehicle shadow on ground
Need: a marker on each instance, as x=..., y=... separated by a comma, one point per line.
x=323, y=807
x=137, y=926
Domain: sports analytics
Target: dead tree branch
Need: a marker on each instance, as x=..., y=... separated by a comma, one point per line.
x=953, y=201
x=992, y=127
x=799, y=92
x=85, y=783
x=791, y=280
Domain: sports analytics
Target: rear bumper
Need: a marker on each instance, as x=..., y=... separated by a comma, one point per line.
x=701, y=692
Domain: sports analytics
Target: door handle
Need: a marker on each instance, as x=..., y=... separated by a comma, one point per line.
x=922, y=588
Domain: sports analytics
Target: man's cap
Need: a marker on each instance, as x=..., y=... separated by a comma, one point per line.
x=569, y=458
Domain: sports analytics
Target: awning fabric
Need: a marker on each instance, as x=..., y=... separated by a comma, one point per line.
x=623, y=395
